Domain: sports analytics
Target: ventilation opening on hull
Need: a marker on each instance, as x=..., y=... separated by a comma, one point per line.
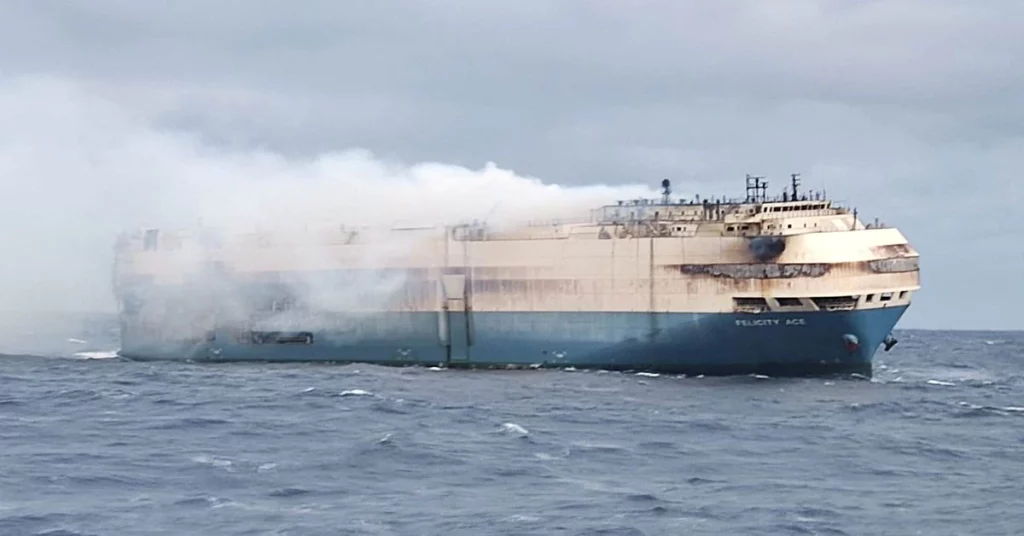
x=836, y=303
x=788, y=304
x=750, y=305
x=280, y=337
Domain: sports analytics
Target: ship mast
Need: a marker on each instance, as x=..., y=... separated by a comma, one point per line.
x=756, y=189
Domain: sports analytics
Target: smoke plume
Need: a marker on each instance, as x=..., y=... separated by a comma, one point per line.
x=79, y=165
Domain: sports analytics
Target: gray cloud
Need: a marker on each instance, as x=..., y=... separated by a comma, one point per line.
x=909, y=109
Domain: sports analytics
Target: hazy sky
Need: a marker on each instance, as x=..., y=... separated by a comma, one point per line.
x=122, y=112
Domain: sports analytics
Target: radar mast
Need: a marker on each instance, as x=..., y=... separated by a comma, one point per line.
x=756, y=189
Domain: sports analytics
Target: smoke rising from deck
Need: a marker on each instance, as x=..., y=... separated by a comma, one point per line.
x=78, y=166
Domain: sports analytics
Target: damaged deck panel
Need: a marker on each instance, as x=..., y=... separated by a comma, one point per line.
x=794, y=270
x=753, y=271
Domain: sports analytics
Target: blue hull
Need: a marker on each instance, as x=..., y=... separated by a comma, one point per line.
x=685, y=343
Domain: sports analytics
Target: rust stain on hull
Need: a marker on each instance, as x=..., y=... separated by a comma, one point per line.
x=794, y=270
x=894, y=265
x=893, y=250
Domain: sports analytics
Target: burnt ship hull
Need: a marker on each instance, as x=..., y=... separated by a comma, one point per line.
x=755, y=286
x=782, y=344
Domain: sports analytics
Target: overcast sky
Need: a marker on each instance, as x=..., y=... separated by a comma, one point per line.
x=119, y=112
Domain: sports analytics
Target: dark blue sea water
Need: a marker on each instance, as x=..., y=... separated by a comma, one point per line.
x=933, y=445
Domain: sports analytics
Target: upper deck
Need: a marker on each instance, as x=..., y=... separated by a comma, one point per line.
x=757, y=214
x=792, y=212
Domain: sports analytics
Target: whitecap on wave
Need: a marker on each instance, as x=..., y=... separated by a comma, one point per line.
x=356, y=392
x=108, y=354
x=514, y=429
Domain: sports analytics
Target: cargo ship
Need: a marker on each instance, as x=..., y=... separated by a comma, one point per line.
x=788, y=284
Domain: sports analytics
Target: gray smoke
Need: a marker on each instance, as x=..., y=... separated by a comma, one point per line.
x=78, y=167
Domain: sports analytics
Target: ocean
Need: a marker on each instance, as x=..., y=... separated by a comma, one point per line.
x=95, y=445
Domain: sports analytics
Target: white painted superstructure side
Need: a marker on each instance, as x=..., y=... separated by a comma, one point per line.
x=579, y=272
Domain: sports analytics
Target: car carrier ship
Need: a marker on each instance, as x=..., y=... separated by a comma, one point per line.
x=783, y=285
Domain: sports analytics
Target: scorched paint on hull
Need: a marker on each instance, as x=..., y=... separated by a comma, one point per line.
x=684, y=343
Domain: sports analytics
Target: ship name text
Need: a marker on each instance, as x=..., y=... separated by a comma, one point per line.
x=766, y=322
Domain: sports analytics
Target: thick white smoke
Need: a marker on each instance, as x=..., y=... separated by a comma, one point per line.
x=78, y=166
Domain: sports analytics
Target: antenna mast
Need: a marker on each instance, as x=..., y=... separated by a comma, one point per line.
x=795, y=179
x=756, y=188
x=666, y=191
